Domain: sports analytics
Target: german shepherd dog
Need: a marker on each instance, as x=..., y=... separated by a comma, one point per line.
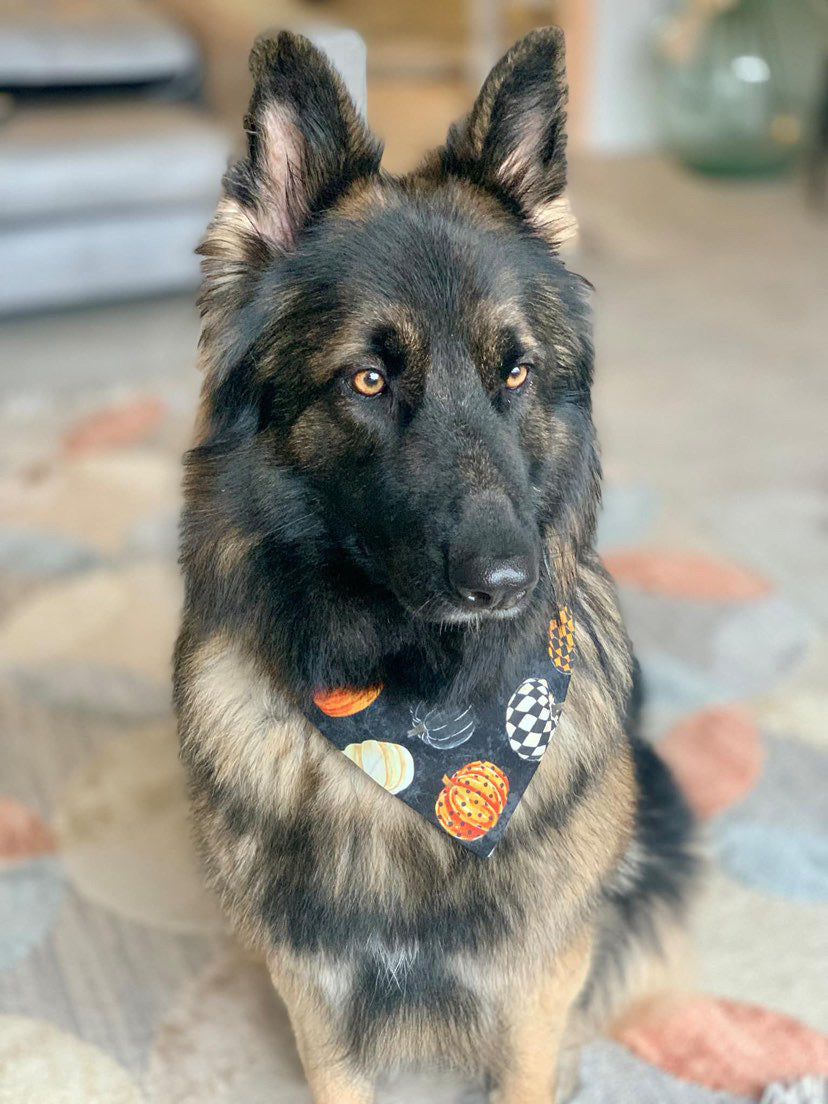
x=394, y=480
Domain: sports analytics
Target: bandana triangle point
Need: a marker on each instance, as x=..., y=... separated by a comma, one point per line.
x=464, y=770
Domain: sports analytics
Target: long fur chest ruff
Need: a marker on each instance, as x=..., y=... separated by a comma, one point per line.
x=322, y=869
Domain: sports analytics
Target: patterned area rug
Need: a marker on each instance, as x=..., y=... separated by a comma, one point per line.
x=118, y=983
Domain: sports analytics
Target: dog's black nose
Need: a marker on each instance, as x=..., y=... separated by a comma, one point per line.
x=484, y=583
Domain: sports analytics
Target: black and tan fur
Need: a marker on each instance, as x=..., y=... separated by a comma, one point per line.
x=315, y=535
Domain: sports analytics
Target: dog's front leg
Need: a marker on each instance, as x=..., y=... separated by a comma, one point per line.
x=329, y=1077
x=537, y=1024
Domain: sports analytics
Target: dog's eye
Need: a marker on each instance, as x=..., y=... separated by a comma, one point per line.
x=368, y=382
x=517, y=377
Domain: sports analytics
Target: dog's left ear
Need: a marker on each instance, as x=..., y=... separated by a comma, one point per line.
x=306, y=143
x=513, y=142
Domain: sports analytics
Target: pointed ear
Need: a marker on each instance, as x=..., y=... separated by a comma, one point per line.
x=306, y=144
x=513, y=142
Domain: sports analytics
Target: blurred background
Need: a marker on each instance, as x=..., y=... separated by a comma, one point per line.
x=699, y=138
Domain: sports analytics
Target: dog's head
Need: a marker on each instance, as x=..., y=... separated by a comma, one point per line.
x=398, y=369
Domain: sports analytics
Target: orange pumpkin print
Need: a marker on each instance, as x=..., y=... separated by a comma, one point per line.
x=344, y=703
x=472, y=800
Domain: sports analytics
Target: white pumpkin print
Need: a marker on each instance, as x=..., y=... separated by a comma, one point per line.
x=531, y=717
x=391, y=765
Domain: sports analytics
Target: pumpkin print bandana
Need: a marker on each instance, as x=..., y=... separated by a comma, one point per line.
x=464, y=769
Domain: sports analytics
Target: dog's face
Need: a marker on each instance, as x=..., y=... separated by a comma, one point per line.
x=402, y=366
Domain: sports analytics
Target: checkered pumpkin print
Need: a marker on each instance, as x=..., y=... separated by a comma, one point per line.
x=562, y=640
x=531, y=717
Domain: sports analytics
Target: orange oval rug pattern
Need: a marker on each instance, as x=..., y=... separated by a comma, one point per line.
x=685, y=575
x=716, y=755
x=728, y=1046
x=22, y=833
x=115, y=426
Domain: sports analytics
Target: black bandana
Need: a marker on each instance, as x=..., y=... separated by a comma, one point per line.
x=463, y=769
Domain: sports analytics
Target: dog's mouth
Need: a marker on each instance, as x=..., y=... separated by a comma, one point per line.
x=459, y=615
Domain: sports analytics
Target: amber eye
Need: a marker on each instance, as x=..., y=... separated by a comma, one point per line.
x=517, y=377
x=368, y=382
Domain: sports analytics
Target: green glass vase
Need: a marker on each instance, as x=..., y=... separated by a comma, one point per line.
x=738, y=82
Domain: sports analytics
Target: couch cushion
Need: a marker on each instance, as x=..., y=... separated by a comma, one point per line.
x=112, y=156
x=79, y=42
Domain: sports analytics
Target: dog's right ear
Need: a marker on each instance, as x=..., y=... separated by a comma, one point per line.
x=306, y=144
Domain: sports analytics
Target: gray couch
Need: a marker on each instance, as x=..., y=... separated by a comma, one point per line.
x=109, y=166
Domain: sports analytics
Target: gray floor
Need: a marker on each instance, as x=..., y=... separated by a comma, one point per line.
x=126, y=343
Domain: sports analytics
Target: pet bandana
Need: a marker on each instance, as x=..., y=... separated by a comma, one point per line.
x=463, y=769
